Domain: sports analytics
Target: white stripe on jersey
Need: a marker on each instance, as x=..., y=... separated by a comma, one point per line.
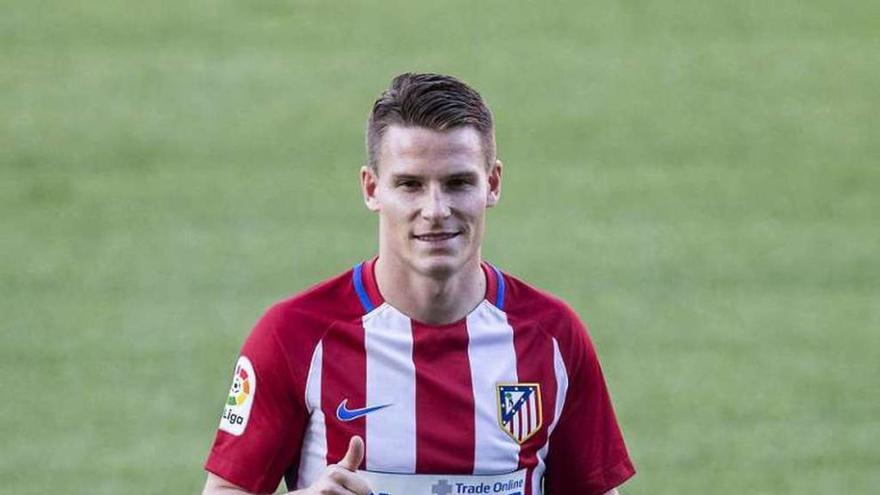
x=561, y=390
x=529, y=414
x=533, y=412
x=391, y=379
x=493, y=360
x=313, y=457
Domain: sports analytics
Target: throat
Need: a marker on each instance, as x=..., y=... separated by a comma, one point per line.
x=435, y=301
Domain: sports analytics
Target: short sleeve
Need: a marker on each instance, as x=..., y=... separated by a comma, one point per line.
x=263, y=419
x=587, y=454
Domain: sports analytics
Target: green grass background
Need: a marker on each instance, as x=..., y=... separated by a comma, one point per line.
x=700, y=180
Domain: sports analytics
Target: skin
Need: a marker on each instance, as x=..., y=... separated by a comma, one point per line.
x=431, y=191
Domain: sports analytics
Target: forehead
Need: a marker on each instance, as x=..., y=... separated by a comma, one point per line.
x=419, y=147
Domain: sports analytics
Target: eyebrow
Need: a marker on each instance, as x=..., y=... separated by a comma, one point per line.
x=464, y=175
x=458, y=175
x=397, y=177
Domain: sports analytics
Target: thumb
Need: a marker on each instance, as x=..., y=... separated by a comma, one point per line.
x=355, y=454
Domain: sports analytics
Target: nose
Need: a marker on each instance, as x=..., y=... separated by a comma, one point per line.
x=436, y=205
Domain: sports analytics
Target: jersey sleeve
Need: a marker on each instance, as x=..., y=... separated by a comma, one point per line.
x=264, y=416
x=587, y=454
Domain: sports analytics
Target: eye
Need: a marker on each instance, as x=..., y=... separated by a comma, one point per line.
x=408, y=184
x=459, y=183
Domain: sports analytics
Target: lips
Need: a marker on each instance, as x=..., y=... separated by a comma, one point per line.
x=436, y=236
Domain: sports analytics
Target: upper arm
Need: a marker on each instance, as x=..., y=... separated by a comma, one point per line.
x=264, y=418
x=586, y=451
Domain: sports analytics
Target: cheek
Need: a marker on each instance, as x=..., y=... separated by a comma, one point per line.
x=395, y=215
x=388, y=202
x=395, y=210
x=474, y=207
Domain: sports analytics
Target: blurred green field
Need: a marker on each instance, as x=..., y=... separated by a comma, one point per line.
x=700, y=180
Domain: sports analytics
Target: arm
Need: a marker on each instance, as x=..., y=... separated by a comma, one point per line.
x=586, y=450
x=336, y=478
x=216, y=485
x=263, y=406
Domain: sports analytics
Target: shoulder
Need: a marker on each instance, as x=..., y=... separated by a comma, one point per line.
x=529, y=307
x=331, y=300
x=296, y=324
x=526, y=302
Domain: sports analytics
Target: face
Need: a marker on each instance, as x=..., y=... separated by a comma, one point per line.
x=431, y=191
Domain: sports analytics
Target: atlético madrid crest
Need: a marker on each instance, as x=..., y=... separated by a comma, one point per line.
x=519, y=409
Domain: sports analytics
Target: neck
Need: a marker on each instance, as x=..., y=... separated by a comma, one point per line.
x=432, y=300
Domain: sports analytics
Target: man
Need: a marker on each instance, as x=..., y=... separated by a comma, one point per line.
x=425, y=370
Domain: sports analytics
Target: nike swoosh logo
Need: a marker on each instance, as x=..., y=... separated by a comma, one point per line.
x=346, y=414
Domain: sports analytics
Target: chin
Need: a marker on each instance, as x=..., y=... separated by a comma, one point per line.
x=438, y=266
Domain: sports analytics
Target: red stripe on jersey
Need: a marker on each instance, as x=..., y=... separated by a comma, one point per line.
x=343, y=378
x=519, y=424
x=491, y=283
x=370, y=284
x=528, y=415
x=534, y=364
x=444, y=399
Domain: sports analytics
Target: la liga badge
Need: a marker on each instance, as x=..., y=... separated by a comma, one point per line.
x=240, y=399
x=519, y=409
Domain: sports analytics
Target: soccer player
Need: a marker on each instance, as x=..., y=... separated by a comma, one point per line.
x=425, y=370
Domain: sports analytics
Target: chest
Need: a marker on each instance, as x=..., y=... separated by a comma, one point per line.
x=472, y=397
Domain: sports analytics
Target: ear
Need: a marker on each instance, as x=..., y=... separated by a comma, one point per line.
x=369, y=182
x=494, y=193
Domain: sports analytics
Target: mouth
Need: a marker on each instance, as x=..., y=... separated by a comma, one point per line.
x=437, y=237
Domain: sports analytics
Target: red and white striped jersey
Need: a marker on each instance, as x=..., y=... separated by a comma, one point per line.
x=515, y=386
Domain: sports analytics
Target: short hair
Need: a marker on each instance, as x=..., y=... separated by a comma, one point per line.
x=434, y=101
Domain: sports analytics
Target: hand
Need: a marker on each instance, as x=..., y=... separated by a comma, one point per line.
x=340, y=479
